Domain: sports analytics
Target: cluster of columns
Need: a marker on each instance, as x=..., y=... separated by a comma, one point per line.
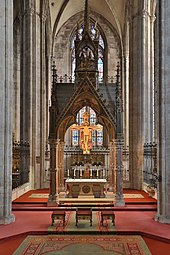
x=6, y=84
x=31, y=94
x=163, y=117
x=25, y=97
x=141, y=86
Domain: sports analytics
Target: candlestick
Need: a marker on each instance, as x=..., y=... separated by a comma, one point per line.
x=90, y=173
x=97, y=173
x=81, y=173
x=103, y=173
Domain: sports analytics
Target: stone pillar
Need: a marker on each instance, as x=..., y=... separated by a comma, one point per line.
x=57, y=166
x=111, y=179
x=16, y=77
x=163, y=122
x=119, y=198
x=140, y=89
x=33, y=88
x=152, y=79
x=28, y=93
x=6, y=85
x=53, y=196
x=43, y=103
x=125, y=83
x=125, y=92
x=61, y=166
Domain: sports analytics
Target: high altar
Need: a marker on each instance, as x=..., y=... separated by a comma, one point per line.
x=84, y=182
x=77, y=188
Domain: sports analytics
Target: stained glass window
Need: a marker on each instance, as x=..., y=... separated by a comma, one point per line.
x=75, y=137
x=94, y=31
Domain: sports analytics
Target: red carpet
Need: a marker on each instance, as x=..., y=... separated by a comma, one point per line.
x=27, y=199
x=31, y=222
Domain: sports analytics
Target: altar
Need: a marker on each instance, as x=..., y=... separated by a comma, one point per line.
x=77, y=188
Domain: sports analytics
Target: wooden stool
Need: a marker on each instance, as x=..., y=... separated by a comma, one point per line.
x=58, y=214
x=83, y=213
x=107, y=215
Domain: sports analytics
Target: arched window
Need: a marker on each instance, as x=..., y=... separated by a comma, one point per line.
x=97, y=135
x=101, y=47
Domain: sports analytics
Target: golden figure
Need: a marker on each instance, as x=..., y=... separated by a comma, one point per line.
x=85, y=133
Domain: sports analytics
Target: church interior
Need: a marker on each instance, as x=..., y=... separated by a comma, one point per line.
x=85, y=127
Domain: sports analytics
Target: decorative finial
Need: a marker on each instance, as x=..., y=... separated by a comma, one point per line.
x=77, y=31
x=86, y=17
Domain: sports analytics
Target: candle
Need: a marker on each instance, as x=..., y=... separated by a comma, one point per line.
x=68, y=173
x=103, y=172
x=90, y=172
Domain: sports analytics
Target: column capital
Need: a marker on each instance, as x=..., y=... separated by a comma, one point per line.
x=140, y=14
x=30, y=11
x=43, y=17
x=153, y=18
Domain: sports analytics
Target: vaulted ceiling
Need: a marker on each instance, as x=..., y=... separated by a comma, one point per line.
x=62, y=10
x=112, y=10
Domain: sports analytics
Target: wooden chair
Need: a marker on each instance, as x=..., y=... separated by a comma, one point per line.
x=107, y=214
x=58, y=214
x=83, y=213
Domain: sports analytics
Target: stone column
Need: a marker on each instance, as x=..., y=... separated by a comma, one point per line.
x=28, y=93
x=58, y=167
x=16, y=77
x=6, y=88
x=111, y=178
x=33, y=88
x=141, y=86
x=119, y=198
x=61, y=166
x=163, y=122
x=43, y=104
x=52, y=200
x=125, y=83
x=125, y=92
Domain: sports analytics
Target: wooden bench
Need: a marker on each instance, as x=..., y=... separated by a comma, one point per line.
x=107, y=214
x=83, y=213
x=58, y=214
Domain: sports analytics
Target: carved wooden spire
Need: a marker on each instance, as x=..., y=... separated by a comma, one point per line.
x=86, y=17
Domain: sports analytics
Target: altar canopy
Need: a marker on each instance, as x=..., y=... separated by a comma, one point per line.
x=95, y=133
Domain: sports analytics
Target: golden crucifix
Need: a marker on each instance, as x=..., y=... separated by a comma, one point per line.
x=85, y=133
